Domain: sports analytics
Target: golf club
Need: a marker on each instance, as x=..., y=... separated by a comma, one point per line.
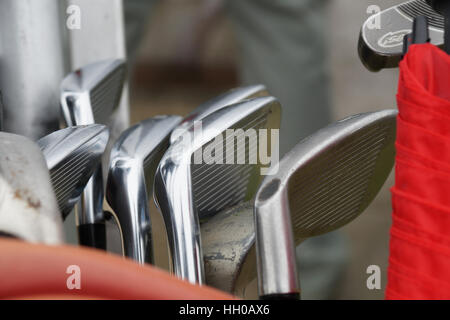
x=188, y=189
x=133, y=162
x=90, y=95
x=322, y=184
x=28, y=206
x=72, y=155
x=231, y=97
x=380, y=43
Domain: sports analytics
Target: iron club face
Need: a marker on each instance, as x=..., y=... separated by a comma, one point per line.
x=187, y=190
x=217, y=103
x=322, y=184
x=380, y=43
x=89, y=95
x=134, y=159
x=72, y=155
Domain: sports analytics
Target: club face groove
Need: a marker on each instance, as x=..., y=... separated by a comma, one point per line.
x=218, y=186
x=133, y=162
x=322, y=184
x=105, y=97
x=186, y=190
x=380, y=43
x=336, y=186
x=92, y=93
x=231, y=97
x=72, y=155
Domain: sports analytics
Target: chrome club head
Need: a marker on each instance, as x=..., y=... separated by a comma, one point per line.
x=72, y=155
x=322, y=184
x=90, y=95
x=28, y=206
x=380, y=43
x=133, y=162
x=217, y=103
x=188, y=188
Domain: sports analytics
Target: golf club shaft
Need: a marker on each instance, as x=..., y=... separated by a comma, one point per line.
x=90, y=218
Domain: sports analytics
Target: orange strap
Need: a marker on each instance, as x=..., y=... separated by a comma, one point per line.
x=37, y=271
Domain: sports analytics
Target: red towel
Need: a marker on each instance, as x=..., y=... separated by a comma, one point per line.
x=419, y=257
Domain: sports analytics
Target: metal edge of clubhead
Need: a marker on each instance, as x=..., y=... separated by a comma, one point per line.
x=379, y=48
x=76, y=88
x=275, y=251
x=228, y=249
x=173, y=186
x=28, y=208
x=231, y=97
x=133, y=162
x=72, y=155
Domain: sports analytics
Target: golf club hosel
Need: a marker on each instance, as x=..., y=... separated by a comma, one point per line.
x=173, y=188
x=130, y=204
x=275, y=252
x=76, y=108
x=90, y=209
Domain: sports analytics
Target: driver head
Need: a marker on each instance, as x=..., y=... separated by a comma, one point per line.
x=322, y=184
x=90, y=95
x=380, y=43
x=197, y=179
x=217, y=103
x=133, y=162
x=28, y=207
x=72, y=154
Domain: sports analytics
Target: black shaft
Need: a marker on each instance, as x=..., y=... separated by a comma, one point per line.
x=420, y=32
x=92, y=235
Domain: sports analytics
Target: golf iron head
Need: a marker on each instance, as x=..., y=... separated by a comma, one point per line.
x=380, y=44
x=90, y=95
x=322, y=184
x=28, y=206
x=72, y=155
x=231, y=97
x=194, y=182
x=133, y=162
